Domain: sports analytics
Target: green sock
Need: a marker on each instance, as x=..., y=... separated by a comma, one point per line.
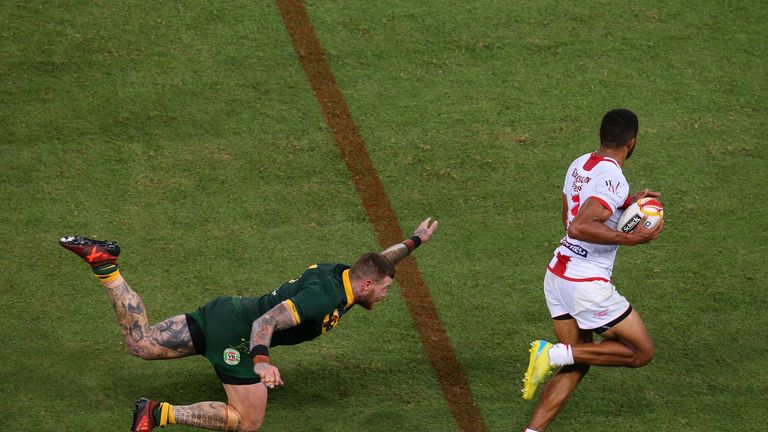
x=156, y=413
x=163, y=414
x=107, y=272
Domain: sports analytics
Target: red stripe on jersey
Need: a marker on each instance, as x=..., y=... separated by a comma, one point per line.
x=570, y=279
x=559, y=270
x=627, y=203
x=603, y=202
x=595, y=159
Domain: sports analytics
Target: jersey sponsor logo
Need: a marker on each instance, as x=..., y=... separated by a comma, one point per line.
x=231, y=356
x=613, y=187
x=578, y=250
x=579, y=180
x=330, y=321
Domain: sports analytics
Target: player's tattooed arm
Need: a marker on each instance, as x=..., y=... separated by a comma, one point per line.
x=279, y=317
x=395, y=253
x=398, y=251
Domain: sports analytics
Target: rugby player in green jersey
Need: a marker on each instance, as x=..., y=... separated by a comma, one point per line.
x=235, y=333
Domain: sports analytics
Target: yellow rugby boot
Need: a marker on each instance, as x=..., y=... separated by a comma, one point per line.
x=538, y=367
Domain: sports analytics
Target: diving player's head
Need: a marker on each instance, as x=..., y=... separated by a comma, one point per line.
x=618, y=130
x=371, y=275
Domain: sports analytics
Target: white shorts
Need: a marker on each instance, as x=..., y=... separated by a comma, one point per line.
x=596, y=305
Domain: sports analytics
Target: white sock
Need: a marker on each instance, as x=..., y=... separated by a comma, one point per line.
x=560, y=355
x=529, y=430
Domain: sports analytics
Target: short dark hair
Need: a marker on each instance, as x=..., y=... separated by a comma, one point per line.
x=372, y=265
x=619, y=126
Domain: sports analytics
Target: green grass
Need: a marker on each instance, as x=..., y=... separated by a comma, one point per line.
x=188, y=132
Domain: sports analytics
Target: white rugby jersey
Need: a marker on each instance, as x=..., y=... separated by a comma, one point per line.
x=596, y=177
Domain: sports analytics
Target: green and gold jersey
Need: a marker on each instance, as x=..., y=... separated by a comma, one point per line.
x=317, y=298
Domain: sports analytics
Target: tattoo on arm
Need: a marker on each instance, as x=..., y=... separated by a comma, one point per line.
x=395, y=253
x=279, y=317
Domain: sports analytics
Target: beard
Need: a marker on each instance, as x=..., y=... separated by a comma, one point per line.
x=632, y=150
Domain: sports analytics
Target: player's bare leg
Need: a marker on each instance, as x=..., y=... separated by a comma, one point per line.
x=206, y=415
x=560, y=387
x=165, y=340
x=250, y=401
x=168, y=339
x=627, y=344
x=244, y=411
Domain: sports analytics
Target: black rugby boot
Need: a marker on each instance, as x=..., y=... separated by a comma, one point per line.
x=94, y=252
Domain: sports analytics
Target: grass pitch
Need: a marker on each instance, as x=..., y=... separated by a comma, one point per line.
x=188, y=132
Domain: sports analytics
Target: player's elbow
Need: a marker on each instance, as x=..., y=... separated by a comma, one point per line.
x=137, y=350
x=576, y=231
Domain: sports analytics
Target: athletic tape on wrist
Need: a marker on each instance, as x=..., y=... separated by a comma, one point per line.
x=260, y=359
x=259, y=350
x=412, y=243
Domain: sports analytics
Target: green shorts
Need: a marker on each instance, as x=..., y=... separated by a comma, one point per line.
x=221, y=334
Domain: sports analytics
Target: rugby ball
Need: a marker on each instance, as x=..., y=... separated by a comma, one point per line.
x=631, y=217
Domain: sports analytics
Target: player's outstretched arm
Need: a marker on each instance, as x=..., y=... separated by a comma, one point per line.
x=279, y=317
x=423, y=233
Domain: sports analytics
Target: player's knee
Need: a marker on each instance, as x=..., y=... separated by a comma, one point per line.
x=140, y=349
x=134, y=348
x=249, y=424
x=643, y=357
x=242, y=422
x=248, y=427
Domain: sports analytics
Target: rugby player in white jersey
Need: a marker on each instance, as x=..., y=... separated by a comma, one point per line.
x=577, y=284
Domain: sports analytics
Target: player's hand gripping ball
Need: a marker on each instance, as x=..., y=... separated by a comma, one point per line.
x=632, y=216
